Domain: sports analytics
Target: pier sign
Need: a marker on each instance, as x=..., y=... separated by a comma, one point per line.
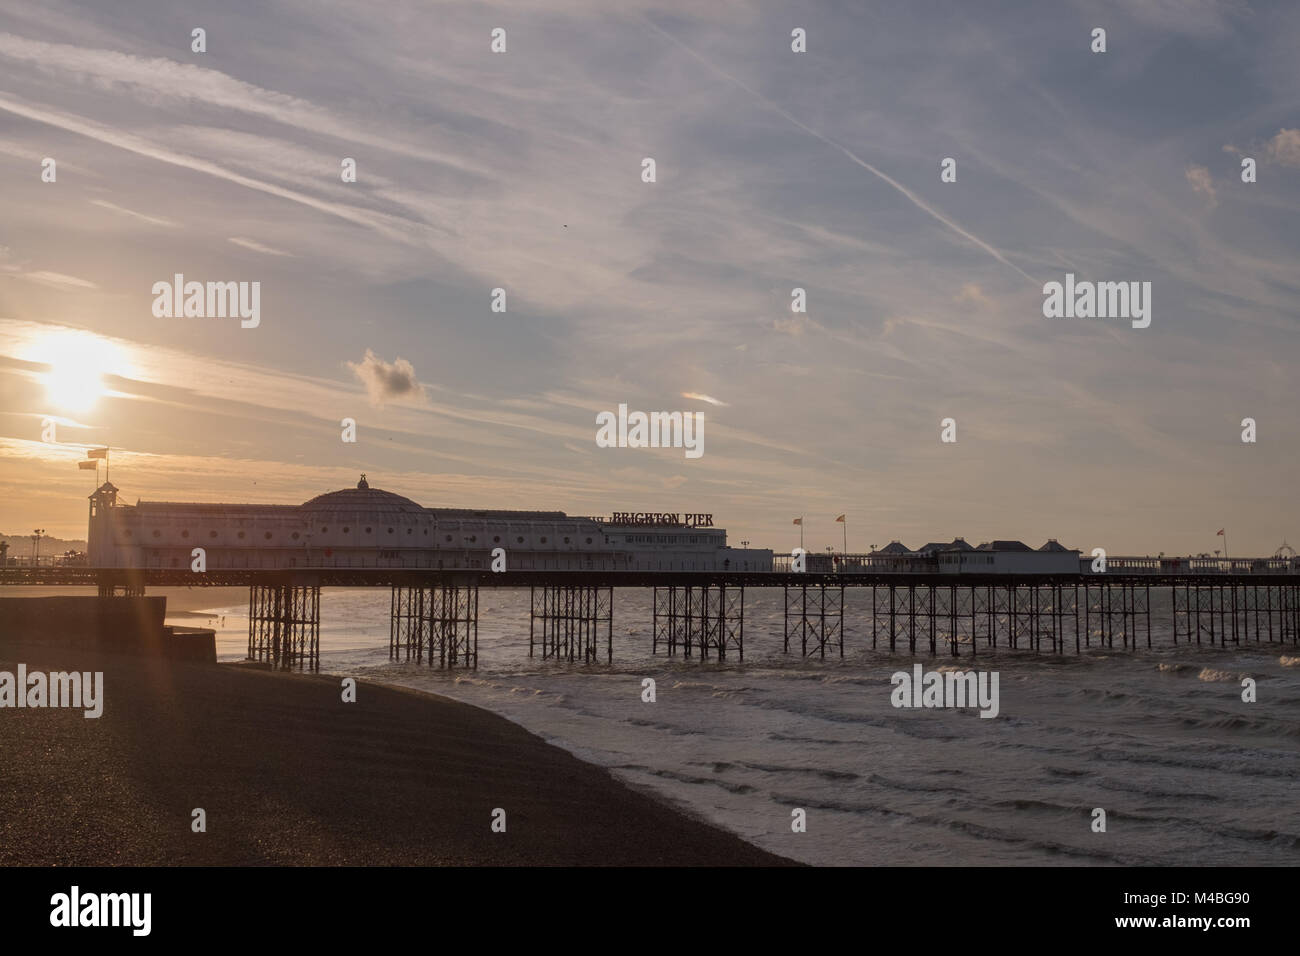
x=678, y=520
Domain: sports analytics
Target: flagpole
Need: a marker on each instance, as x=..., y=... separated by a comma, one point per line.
x=801, y=533
x=846, y=536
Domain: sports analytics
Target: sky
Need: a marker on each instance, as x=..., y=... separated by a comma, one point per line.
x=774, y=170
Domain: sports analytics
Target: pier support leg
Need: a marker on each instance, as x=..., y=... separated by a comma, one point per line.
x=710, y=618
x=284, y=626
x=571, y=620
x=817, y=613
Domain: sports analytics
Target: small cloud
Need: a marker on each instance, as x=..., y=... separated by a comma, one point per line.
x=1199, y=178
x=1284, y=148
x=258, y=247
x=675, y=481
x=153, y=220
x=794, y=327
x=972, y=293
x=703, y=398
x=388, y=381
x=59, y=279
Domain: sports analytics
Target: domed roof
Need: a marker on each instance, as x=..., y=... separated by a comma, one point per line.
x=363, y=498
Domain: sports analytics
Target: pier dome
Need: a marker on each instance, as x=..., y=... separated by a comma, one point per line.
x=363, y=498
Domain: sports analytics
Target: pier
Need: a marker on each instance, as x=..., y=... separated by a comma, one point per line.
x=700, y=615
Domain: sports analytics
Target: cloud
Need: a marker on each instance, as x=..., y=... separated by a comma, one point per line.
x=388, y=381
x=59, y=279
x=1199, y=178
x=157, y=78
x=703, y=398
x=972, y=293
x=1284, y=148
x=153, y=220
x=911, y=197
x=258, y=247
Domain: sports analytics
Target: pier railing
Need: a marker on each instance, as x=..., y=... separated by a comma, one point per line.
x=930, y=564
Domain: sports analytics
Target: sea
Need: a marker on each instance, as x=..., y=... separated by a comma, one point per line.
x=1185, y=772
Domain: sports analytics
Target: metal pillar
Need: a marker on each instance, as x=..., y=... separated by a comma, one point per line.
x=567, y=621
x=819, y=621
x=284, y=625
x=440, y=621
x=709, y=618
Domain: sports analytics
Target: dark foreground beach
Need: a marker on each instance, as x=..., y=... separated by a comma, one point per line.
x=288, y=774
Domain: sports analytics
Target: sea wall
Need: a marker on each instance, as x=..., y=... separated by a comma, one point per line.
x=127, y=625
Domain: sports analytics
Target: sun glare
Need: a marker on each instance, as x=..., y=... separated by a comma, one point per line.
x=78, y=362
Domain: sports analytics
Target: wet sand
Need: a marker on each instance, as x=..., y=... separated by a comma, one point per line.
x=289, y=774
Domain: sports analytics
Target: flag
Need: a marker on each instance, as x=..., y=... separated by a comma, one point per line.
x=798, y=520
x=97, y=453
x=840, y=518
x=1221, y=531
x=87, y=465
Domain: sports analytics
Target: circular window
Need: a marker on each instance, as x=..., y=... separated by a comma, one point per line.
x=157, y=534
x=295, y=536
x=496, y=539
x=267, y=536
x=448, y=537
x=345, y=529
x=212, y=534
x=323, y=529
x=185, y=534
x=241, y=536
x=588, y=541
x=390, y=530
x=520, y=540
x=543, y=539
x=367, y=531
x=566, y=540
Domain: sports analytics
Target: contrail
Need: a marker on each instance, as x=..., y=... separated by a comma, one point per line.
x=911, y=196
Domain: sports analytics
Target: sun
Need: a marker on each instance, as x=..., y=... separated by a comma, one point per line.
x=78, y=362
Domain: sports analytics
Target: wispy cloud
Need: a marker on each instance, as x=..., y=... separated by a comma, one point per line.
x=257, y=246
x=703, y=398
x=152, y=220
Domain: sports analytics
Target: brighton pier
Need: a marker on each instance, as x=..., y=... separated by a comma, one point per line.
x=950, y=599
